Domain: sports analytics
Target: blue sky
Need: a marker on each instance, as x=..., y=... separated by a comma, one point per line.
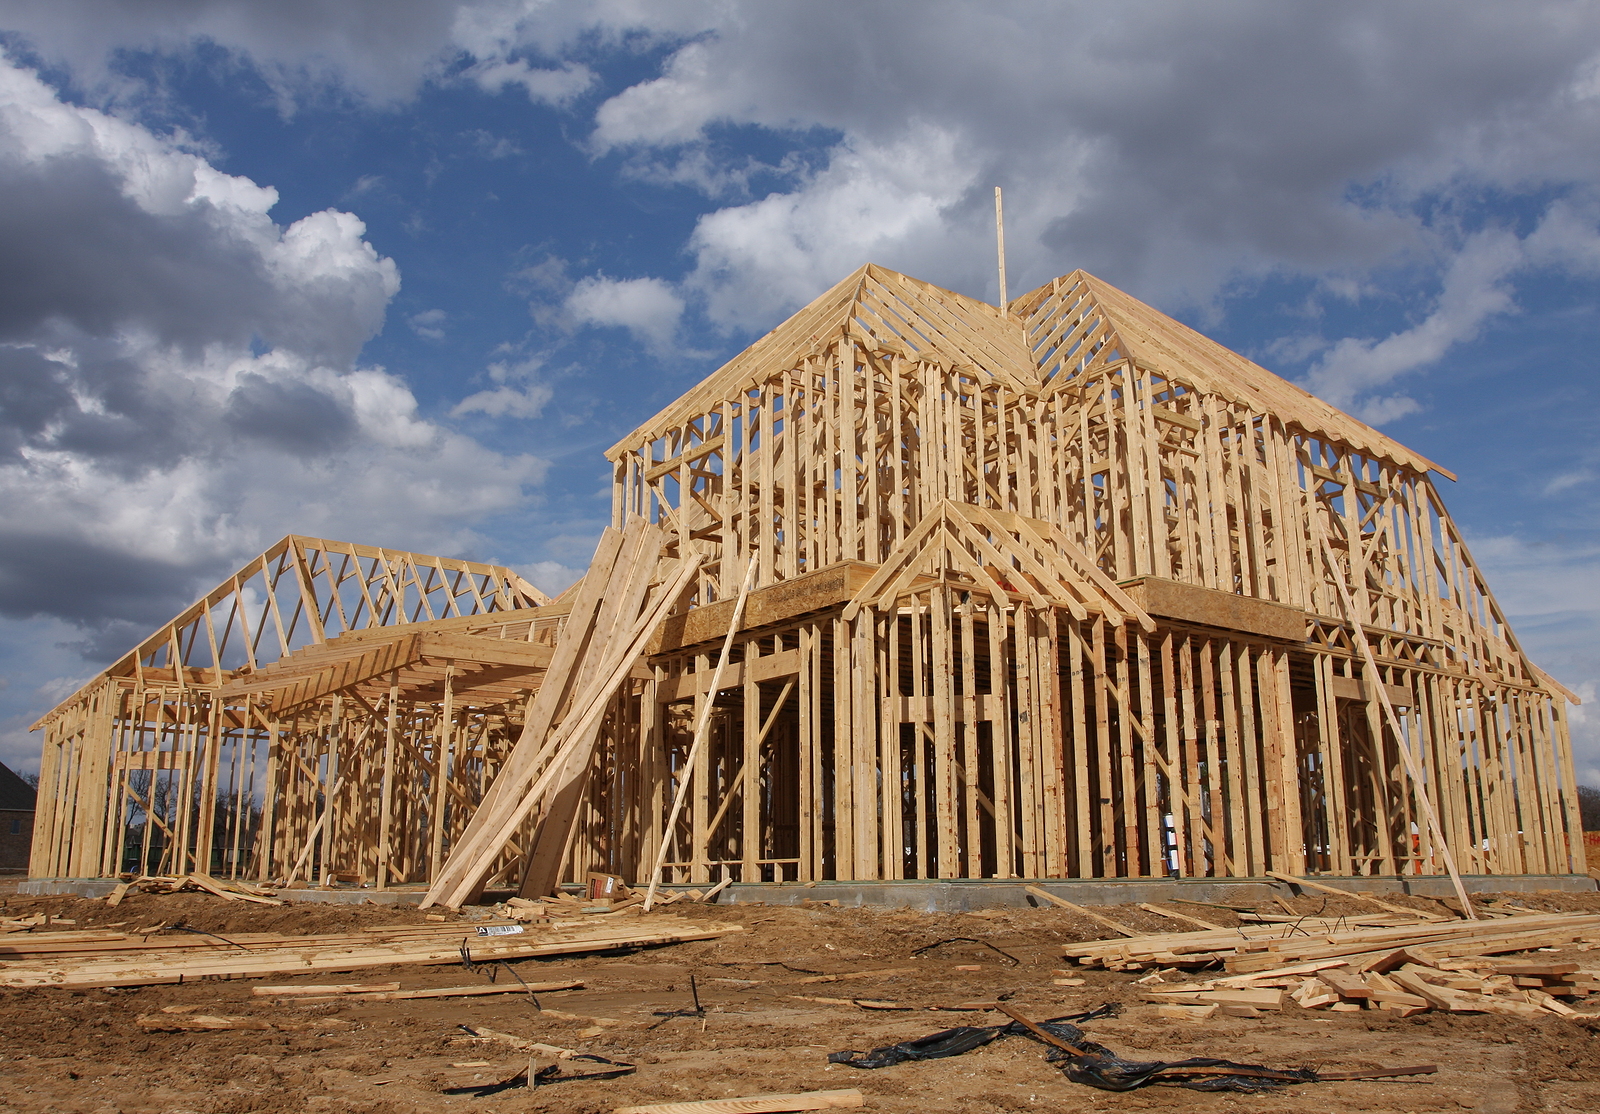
x=398, y=272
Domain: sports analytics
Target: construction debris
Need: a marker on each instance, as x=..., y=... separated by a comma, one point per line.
x=392, y=991
x=1406, y=968
x=120, y=959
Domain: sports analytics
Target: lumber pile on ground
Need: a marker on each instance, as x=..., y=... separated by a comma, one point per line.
x=1398, y=983
x=228, y=889
x=88, y=959
x=1330, y=963
x=1262, y=947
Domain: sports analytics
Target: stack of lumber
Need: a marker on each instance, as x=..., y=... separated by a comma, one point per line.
x=88, y=959
x=1263, y=947
x=228, y=890
x=1397, y=982
x=29, y=923
x=1391, y=961
x=567, y=905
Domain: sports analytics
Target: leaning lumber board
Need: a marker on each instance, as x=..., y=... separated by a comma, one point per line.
x=1311, y=885
x=1063, y=903
x=1173, y=914
x=849, y=1097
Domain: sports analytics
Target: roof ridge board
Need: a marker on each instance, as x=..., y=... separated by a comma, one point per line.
x=754, y=361
x=1323, y=417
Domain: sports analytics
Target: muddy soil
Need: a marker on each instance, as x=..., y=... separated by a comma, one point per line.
x=762, y=1031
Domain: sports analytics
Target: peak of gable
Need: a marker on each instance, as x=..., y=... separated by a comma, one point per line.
x=1078, y=325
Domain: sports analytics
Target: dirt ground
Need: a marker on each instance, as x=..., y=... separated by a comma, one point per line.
x=69, y=1051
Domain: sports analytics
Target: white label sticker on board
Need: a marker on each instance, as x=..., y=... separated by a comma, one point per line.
x=499, y=929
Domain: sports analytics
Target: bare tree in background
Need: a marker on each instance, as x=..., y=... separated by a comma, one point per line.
x=1589, y=807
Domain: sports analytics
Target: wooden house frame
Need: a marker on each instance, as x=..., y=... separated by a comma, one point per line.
x=919, y=587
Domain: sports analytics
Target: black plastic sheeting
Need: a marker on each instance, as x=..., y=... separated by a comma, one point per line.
x=953, y=1042
x=1093, y=1065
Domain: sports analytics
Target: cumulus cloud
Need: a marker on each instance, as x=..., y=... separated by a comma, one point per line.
x=518, y=392
x=1475, y=289
x=178, y=377
x=648, y=308
x=886, y=204
x=1130, y=139
x=375, y=49
x=551, y=577
x=558, y=85
x=429, y=323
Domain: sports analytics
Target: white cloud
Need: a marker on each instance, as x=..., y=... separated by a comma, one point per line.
x=647, y=307
x=429, y=323
x=518, y=393
x=559, y=86
x=883, y=204
x=181, y=377
x=506, y=402
x=1475, y=290
x=551, y=577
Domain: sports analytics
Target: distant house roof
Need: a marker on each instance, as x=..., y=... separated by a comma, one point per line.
x=15, y=794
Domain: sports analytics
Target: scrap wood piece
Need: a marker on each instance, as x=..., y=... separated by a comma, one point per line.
x=700, y=734
x=884, y=971
x=1262, y=998
x=1345, y=983
x=521, y=1044
x=302, y=990
x=1181, y=1012
x=392, y=992
x=1015, y=962
x=844, y=1098
x=1063, y=903
x=196, y=1022
x=541, y=1075
x=1311, y=885
x=1173, y=914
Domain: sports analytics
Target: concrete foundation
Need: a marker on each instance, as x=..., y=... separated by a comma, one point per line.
x=956, y=896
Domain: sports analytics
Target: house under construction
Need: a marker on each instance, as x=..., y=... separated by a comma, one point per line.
x=914, y=587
